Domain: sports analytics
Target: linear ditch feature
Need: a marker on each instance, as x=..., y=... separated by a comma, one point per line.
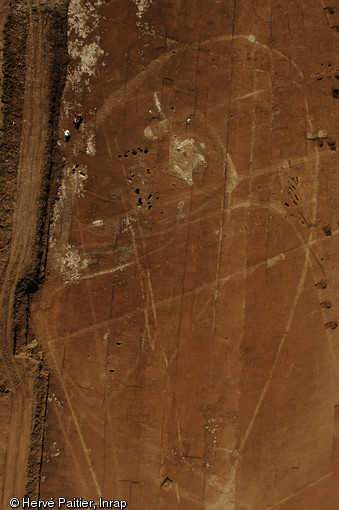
x=23, y=376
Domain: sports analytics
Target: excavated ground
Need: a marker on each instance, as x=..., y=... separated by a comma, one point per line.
x=189, y=309
x=33, y=68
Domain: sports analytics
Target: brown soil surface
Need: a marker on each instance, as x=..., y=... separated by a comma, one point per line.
x=183, y=296
x=32, y=37
x=3, y=17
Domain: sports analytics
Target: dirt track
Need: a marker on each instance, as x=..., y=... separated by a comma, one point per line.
x=24, y=384
x=188, y=318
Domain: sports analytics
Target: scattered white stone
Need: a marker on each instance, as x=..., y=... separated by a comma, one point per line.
x=145, y=29
x=71, y=265
x=149, y=133
x=184, y=155
x=180, y=207
x=86, y=56
x=54, y=399
x=185, y=158
x=83, y=21
x=142, y=6
x=156, y=130
x=90, y=145
x=157, y=102
x=56, y=450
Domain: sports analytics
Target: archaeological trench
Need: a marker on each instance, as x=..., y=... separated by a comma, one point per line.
x=170, y=271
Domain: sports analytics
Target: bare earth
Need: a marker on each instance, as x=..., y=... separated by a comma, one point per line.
x=175, y=342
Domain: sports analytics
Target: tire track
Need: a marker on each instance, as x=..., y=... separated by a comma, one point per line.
x=26, y=380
